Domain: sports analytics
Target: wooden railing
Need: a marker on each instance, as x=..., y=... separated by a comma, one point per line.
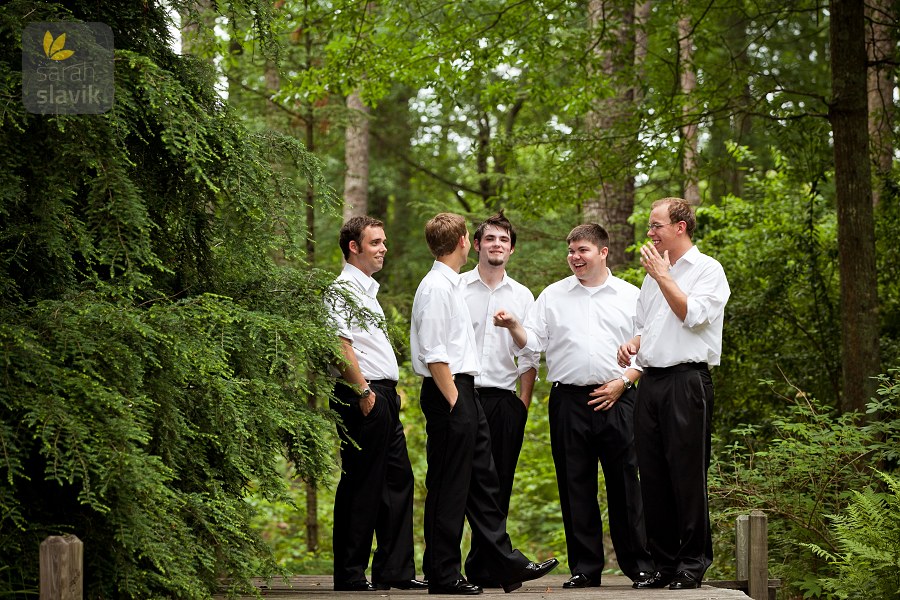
x=751, y=550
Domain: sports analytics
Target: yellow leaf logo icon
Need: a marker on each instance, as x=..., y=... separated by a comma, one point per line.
x=54, y=48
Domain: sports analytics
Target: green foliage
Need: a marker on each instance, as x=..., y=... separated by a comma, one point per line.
x=801, y=468
x=156, y=361
x=867, y=534
x=778, y=245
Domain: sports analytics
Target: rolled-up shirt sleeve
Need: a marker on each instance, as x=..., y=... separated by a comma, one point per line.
x=434, y=327
x=527, y=359
x=707, y=298
x=535, y=325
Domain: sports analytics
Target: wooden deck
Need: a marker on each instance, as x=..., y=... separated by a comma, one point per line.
x=319, y=587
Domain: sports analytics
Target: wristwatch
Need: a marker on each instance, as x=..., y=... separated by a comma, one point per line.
x=365, y=393
x=628, y=383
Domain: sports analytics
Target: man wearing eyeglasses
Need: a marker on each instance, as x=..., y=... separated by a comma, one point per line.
x=678, y=325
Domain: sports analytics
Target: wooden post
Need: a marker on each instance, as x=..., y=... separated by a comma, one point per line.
x=758, y=575
x=61, y=568
x=742, y=546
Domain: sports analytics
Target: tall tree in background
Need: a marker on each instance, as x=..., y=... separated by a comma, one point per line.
x=356, y=156
x=690, y=128
x=610, y=121
x=880, y=36
x=855, y=220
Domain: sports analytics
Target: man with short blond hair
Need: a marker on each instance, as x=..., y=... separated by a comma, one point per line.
x=461, y=479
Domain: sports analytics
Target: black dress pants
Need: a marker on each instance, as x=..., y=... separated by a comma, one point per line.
x=579, y=437
x=462, y=484
x=672, y=431
x=375, y=493
x=506, y=416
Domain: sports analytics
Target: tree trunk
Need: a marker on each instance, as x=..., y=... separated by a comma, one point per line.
x=689, y=129
x=613, y=202
x=880, y=48
x=482, y=155
x=356, y=156
x=853, y=186
x=312, y=494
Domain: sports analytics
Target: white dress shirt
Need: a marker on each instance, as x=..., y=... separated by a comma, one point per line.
x=496, y=349
x=580, y=329
x=441, y=329
x=665, y=339
x=370, y=343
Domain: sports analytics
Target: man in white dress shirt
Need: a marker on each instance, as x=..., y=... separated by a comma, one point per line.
x=487, y=289
x=678, y=330
x=579, y=322
x=375, y=494
x=461, y=479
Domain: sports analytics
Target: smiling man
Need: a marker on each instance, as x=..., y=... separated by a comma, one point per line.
x=579, y=322
x=678, y=327
x=375, y=494
x=488, y=288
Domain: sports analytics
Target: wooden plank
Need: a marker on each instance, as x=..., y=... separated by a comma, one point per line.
x=61, y=560
x=319, y=587
x=758, y=575
x=738, y=584
x=742, y=545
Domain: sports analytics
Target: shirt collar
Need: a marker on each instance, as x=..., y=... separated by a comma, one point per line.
x=474, y=276
x=690, y=256
x=573, y=283
x=451, y=275
x=368, y=284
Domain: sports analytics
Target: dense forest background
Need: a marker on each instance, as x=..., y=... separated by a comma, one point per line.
x=163, y=342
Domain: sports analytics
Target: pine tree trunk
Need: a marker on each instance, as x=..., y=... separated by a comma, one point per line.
x=312, y=494
x=856, y=229
x=356, y=157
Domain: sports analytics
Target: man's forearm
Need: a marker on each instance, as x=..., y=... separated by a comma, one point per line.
x=526, y=386
x=676, y=299
x=443, y=379
x=350, y=369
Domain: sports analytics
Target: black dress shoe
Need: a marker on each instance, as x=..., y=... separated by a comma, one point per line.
x=529, y=572
x=354, y=586
x=580, y=580
x=645, y=581
x=684, y=581
x=409, y=584
x=460, y=587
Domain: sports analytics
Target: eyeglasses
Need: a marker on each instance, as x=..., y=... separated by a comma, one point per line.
x=657, y=226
